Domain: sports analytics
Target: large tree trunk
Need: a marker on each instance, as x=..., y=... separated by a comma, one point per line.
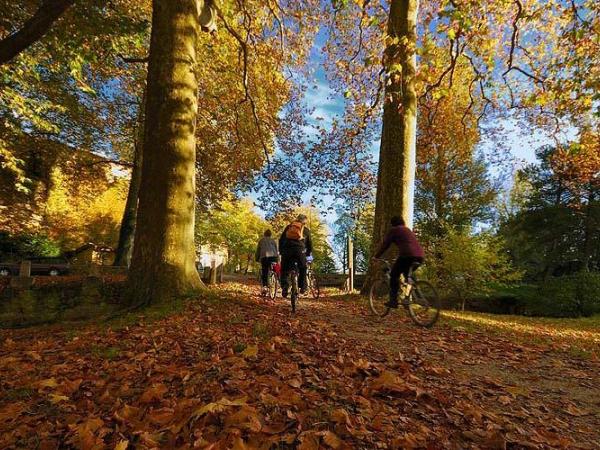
x=127, y=230
x=34, y=29
x=397, y=153
x=163, y=261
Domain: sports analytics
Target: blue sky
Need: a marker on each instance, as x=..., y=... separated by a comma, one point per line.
x=520, y=143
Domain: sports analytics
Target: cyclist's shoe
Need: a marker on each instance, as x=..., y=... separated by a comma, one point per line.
x=405, y=302
x=284, y=293
x=392, y=304
x=303, y=291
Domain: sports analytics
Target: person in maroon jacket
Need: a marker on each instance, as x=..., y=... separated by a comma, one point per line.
x=409, y=252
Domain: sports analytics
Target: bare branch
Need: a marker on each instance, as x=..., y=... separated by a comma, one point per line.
x=248, y=96
x=280, y=24
x=34, y=29
x=131, y=59
x=514, y=44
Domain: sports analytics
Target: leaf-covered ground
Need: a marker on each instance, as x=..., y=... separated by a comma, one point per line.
x=232, y=371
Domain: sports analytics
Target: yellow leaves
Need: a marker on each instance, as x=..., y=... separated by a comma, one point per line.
x=250, y=351
x=57, y=398
x=122, y=445
x=219, y=406
x=48, y=383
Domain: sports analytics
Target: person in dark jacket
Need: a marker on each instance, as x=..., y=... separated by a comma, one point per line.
x=267, y=254
x=295, y=245
x=409, y=253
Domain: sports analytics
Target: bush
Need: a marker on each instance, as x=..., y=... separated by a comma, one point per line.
x=569, y=296
x=27, y=245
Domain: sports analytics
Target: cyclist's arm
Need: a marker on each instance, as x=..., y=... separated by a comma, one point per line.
x=389, y=238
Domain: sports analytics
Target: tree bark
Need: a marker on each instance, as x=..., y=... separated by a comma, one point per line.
x=397, y=153
x=163, y=261
x=34, y=29
x=127, y=230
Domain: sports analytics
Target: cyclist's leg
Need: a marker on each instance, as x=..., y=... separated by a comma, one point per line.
x=301, y=260
x=400, y=267
x=265, y=265
x=287, y=265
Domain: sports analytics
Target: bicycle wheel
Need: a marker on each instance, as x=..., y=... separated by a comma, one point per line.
x=294, y=292
x=273, y=285
x=314, y=286
x=379, y=296
x=424, y=304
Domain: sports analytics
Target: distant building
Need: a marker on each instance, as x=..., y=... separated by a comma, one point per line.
x=206, y=254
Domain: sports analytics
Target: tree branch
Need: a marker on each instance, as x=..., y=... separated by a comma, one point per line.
x=248, y=97
x=130, y=59
x=33, y=30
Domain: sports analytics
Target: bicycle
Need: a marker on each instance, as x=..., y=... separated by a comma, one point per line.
x=312, y=281
x=273, y=282
x=419, y=298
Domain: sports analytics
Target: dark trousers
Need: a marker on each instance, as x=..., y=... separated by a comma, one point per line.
x=290, y=258
x=401, y=267
x=265, y=264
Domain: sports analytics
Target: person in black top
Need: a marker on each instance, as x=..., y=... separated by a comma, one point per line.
x=295, y=245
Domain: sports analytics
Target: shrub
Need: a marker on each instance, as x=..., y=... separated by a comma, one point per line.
x=569, y=296
x=27, y=245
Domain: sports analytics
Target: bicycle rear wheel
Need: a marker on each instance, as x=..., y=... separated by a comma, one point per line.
x=378, y=297
x=424, y=304
x=273, y=285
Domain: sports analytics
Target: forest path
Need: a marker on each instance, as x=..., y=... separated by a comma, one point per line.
x=232, y=370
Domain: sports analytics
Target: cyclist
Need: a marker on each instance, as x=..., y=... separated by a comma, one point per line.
x=267, y=253
x=409, y=252
x=295, y=245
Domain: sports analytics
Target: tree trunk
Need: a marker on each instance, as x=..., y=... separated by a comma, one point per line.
x=397, y=153
x=34, y=29
x=163, y=261
x=590, y=228
x=127, y=230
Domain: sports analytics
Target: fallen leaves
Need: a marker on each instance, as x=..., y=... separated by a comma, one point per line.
x=203, y=380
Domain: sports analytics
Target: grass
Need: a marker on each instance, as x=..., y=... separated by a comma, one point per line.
x=580, y=337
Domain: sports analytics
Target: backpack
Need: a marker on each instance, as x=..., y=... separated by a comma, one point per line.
x=295, y=231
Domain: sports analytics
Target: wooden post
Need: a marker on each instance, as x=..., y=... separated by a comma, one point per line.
x=351, y=263
x=213, y=272
x=24, y=280
x=25, y=269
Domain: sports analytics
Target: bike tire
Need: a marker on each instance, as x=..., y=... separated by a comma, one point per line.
x=314, y=287
x=378, y=296
x=273, y=286
x=424, y=304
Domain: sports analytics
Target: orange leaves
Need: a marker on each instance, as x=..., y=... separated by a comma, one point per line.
x=322, y=383
x=154, y=393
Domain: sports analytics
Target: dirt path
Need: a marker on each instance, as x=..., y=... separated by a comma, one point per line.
x=232, y=371
x=504, y=378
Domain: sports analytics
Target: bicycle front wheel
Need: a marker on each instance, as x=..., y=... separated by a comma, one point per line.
x=378, y=297
x=314, y=286
x=424, y=304
x=273, y=286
